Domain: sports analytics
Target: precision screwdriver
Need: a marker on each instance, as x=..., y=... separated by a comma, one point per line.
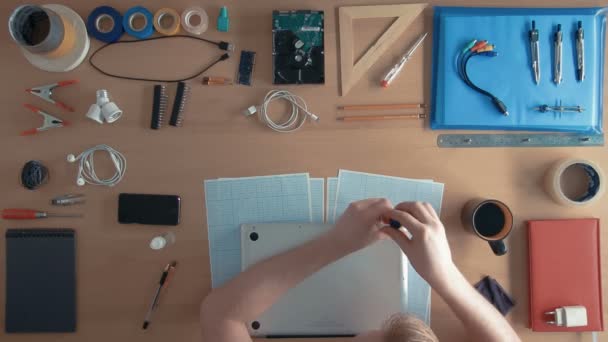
x=395, y=70
x=29, y=214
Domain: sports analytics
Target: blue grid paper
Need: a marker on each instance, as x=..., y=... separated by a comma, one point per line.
x=236, y=201
x=317, y=198
x=355, y=186
x=332, y=186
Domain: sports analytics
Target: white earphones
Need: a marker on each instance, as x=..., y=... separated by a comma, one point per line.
x=86, y=168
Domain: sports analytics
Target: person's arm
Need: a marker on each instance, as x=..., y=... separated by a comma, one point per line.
x=226, y=311
x=429, y=253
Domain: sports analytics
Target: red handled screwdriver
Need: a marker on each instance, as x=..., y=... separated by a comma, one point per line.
x=29, y=214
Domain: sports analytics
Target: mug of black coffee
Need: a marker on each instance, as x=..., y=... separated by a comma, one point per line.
x=489, y=219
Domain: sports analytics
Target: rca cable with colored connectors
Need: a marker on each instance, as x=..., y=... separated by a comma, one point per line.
x=472, y=49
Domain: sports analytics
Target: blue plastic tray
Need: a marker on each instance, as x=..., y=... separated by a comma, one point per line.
x=509, y=75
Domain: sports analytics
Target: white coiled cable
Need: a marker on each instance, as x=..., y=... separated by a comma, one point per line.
x=297, y=118
x=86, y=168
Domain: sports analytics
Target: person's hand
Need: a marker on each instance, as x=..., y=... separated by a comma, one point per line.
x=428, y=250
x=361, y=224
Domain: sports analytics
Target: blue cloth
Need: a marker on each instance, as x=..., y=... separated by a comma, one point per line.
x=509, y=75
x=495, y=294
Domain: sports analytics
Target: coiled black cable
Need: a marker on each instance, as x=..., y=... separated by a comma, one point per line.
x=34, y=174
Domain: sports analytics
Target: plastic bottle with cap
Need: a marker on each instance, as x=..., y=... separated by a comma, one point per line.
x=162, y=241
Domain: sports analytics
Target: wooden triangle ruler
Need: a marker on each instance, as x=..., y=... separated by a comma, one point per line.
x=351, y=72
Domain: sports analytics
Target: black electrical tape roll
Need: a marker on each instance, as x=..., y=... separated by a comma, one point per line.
x=34, y=174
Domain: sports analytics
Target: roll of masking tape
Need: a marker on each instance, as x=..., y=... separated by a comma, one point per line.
x=591, y=181
x=41, y=31
x=36, y=29
x=51, y=55
x=68, y=43
x=132, y=15
x=163, y=16
x=97, y=29
x=190, y=15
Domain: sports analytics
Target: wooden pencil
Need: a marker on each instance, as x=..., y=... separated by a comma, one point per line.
x=382, y=106
x=380, y=117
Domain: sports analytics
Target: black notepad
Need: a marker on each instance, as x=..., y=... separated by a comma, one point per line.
x=40, y=280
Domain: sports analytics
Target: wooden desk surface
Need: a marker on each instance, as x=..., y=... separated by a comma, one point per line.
x=117, y=271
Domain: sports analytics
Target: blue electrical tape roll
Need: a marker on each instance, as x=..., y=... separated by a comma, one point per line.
x=131, y=14
x=93, y=24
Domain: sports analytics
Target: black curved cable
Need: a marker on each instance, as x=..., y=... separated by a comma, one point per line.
x=221, y=45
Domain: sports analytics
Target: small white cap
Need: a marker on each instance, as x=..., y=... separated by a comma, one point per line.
x=80, y=181
x=71, y=158
x=94, y=113
x=158, y=242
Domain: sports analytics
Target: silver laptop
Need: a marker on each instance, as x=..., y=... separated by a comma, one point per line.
x=353, y=295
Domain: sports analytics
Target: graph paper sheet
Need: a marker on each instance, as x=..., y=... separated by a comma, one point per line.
x=354, y=186
x=330, y=208
x=317, y=200
x=235, y=201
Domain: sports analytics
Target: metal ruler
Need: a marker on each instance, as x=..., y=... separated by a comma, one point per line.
x=520, y=140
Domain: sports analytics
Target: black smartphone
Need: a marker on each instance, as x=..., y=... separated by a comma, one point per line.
x=149, y=209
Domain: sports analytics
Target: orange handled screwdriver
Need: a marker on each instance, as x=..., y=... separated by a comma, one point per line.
x=29, y=214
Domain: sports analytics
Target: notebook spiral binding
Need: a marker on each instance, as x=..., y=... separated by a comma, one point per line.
x=181, y=99
x=39, y=233
x=159, y=106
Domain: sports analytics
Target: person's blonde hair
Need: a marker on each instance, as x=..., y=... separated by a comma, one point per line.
x=407, y=328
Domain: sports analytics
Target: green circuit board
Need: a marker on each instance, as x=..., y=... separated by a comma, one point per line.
x=307, y=25
x=298, y=47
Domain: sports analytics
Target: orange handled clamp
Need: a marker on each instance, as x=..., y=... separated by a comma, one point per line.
x=29, y=214
x=46, y=92
x=49, y=121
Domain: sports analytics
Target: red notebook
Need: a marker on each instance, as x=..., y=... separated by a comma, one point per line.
x=565, y=270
